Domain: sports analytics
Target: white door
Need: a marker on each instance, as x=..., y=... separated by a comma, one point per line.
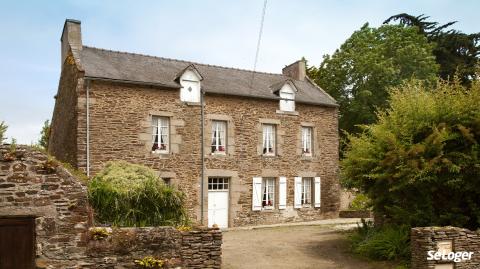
x=218, y=208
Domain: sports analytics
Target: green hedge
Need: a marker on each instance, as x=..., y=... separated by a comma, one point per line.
x=125, y=194
x=419, y=164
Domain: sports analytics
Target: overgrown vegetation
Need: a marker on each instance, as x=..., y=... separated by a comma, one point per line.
x=389, y=242
x=360, y=202
x=99, y=233
x=3, y=130
x=150, y=262
x=125, y=194
x=419, y=164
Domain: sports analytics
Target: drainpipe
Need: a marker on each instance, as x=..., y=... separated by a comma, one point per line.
x=202, y=142
x=88, y=126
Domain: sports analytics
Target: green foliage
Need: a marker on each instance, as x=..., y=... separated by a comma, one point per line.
x=384, y=243
x=457, y=53
x=3, y=130
x=372, y=60
x=149, y=262
x=44, y=135
x=420, y=163
x=99, y=233
x=360, y=202
x=127, y=194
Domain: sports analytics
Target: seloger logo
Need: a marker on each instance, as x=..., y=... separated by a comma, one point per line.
x=449, y=256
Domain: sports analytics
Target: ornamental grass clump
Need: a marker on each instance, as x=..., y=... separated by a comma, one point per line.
x=125, y=194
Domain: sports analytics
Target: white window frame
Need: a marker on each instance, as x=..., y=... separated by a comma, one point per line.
x=268, y=139
x=160, y=132
x=219, y=137
x=306, y=198
x=287, y=99
x=218, y=183
x=268, y=193
x=307, y=138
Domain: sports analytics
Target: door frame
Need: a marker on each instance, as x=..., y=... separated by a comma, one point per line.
x=223, y=190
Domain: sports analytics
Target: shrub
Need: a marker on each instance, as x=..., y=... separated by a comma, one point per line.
x=360, y=202
x=125, y=194
x=419, y=164
x=390, y=242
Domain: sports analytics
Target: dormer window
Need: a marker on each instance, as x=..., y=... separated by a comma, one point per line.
x=287, y=98
x=189, y=79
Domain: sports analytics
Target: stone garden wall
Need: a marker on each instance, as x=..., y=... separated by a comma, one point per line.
x=450, y=239
x=32, y=185
x=199, y=248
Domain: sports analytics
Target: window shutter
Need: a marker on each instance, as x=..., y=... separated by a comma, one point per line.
x=317, y=192
x=298, y=193
x=282, y=193
x=257, y=194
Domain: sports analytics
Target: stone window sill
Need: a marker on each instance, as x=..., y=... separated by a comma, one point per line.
x=160, y=154
x=291, y=113
x=218, y=155
x=307, y=158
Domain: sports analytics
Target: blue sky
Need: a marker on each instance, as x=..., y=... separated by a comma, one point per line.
x=215, y=32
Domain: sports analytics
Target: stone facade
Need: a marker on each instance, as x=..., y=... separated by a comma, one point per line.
x=120, y=129
x=424, y=239
x=118, y=116
x=33, y=186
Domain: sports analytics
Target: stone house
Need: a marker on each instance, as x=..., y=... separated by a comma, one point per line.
x=246, y=147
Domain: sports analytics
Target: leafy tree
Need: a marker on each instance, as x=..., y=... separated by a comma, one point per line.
x=44, y=135
x=420, y=163
x=369, y=62
x=3, y=130
x=457, y=53
x=126, y=194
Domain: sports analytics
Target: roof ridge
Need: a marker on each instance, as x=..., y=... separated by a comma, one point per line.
x=184, y=61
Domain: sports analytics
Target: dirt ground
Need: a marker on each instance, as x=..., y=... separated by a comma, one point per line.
x=305, y=247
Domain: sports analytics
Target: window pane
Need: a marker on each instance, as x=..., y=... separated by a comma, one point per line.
x=268, y=139
x=218, y=136
x=268, y=192
x=307, y=140
x=160, y=133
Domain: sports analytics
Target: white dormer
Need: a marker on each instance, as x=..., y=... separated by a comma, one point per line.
x=190, y=80
x=287, y=97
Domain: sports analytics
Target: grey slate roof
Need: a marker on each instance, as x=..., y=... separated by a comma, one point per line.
x=122, y=66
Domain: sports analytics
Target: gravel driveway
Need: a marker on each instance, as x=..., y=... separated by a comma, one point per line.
x=291, y=247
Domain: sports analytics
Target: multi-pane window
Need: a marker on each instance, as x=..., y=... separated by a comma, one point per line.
x=268, y=187
x=268, y=139
x=160, y=134
x=219, y=136
x=307, y=141
x=306, y=191
x=217, y=183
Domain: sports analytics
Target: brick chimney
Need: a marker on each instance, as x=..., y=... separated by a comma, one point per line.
x=71, y=39
x=296, y=71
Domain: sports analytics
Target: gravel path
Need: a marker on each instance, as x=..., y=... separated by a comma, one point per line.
x=321, y=246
